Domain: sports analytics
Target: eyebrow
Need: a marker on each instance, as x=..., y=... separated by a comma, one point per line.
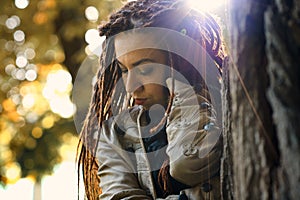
x=143, y=60
x=139, y=62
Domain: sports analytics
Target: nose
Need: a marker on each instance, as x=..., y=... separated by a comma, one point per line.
x=132, y=81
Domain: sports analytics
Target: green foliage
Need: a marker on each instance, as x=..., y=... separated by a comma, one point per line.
x=54, y=33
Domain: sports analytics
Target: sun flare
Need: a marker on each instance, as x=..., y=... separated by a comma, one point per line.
x=206, y=5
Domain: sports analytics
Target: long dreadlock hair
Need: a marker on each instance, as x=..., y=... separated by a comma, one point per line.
x=171, y=14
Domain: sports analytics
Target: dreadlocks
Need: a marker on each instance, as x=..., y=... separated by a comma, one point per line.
x=171, y=14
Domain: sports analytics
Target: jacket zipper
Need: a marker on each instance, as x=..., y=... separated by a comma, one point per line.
x=144, y=150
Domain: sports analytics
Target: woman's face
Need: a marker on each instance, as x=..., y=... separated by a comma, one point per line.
x=144, y=72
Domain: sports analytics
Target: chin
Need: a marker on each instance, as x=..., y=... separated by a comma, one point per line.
x=154, y=107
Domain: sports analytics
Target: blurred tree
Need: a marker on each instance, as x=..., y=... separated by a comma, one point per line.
x=40, y=40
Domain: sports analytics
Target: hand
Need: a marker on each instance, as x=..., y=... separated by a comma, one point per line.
x=128, y=119
x=187, y=105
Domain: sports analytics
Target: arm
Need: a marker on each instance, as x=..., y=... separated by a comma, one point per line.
x=117, y=178
x=194, y=143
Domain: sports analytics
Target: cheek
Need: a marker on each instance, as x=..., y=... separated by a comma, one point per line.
x=157, y=79
x=160, y=93
x=159, y=76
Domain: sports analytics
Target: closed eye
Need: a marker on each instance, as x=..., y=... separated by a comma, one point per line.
x=145, y=70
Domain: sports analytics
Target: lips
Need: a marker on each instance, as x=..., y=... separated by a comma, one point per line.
x=140, y=101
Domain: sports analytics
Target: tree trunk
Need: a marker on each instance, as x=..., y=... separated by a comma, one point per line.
x=261, y=98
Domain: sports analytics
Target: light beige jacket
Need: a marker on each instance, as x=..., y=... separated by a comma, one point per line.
x=194, y=150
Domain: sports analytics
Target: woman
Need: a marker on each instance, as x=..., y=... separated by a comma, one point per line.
x=151, y=131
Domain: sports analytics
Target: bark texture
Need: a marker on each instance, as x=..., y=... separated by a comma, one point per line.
x=282, y=28
x=226, y=162
x=261, y=101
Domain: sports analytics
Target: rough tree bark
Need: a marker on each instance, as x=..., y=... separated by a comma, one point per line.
x=261, y=101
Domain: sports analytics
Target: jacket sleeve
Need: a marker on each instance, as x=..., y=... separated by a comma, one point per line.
x=194, y=142
x=116, y=172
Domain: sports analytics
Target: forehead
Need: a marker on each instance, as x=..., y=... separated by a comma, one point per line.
x=128, y=42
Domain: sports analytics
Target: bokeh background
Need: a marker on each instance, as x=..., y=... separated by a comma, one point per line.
x=44, y=45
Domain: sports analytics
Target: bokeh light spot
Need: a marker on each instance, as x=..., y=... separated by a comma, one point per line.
x=31, y=75
x=12, y=22
x=12, y=172
x=21, y=4
x=5, y=136
x=92, y=36
x=21, y=61
x=91, y=13
x=37, y=132
x=8, y=105
x=48, y=121
x=62, y=106
x=28, y=101
x=30, y=143
x=19, y=36
x=29, y=53
x=95, y=42
x=32, y=117
x=16, y=98
x=20, y=74
x=9, y=68
x=40, y=18
x=10, y=45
